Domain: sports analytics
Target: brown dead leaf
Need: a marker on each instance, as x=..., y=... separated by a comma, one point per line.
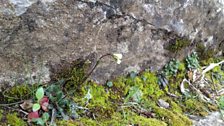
x=26, y=105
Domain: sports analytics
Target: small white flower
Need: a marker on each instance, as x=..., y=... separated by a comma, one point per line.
x=118, y=61
x=117, y=57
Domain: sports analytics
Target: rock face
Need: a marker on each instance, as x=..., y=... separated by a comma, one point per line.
x=213, y=119
x=36, y=34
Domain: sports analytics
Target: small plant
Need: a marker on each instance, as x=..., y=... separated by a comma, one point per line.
x=109, y=84
x=192, y=61
x=171, y=68
x=41, y=106
x=162, y=81
x=50, y=101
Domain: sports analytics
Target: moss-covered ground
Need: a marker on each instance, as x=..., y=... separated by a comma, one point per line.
x=128, y=100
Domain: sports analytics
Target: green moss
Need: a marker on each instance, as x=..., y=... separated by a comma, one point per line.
x=178, y=44
x=19, y=92
x=174, y=82
x=99, y=104
x=80, y=122
x=175, y=107
x=182, y=67
x=118, y=90
x=134, y=119
x=115, y=120
x=75, y=77
x=213, y=107
x=172, y=118
x=1, y=114
x=147, y=82
x=195, y=107
x=74, y=74
x=105, y=101
x=205, y=53
x=14, y=120
x=151, y=87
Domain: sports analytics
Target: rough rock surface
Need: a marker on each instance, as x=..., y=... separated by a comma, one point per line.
x=214, y=119
x=36, y=34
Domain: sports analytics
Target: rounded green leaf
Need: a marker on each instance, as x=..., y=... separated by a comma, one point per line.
x=40, y=93
x=38, y=121
x=109, y=84
x=36, y=107
x=45, y=116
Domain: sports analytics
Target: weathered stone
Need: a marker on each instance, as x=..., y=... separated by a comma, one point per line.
x=163, y=104
x=36, y=33
x=213, y=119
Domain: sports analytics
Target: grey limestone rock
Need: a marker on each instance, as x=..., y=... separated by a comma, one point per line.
x=36, y=34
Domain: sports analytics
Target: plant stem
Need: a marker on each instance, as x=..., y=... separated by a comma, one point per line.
x=14, y=103
x=91, y=71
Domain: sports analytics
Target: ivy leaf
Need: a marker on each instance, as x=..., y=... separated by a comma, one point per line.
x=36, y=107
x=45, y=117
x=40, y=93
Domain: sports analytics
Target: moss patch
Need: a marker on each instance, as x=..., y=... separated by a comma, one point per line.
x=19, y=92
x=106, y=103
x=205, y=53
x=115, y=120
x=172, y=118
x=14, y=120
x=178, y=44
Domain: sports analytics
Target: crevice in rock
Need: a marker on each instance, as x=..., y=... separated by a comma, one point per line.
x=116, y=14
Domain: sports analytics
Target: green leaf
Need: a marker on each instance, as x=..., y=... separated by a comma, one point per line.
x=59, y=95
x=63, y=102
x=45, y=117
x=38, y=121
x=109, y=84
x=36, y=107
x=52, y=98
x=40, y=93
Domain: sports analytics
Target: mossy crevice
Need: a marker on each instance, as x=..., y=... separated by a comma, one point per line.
x=178, y=44
x=205, y=53
x=18, y=93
